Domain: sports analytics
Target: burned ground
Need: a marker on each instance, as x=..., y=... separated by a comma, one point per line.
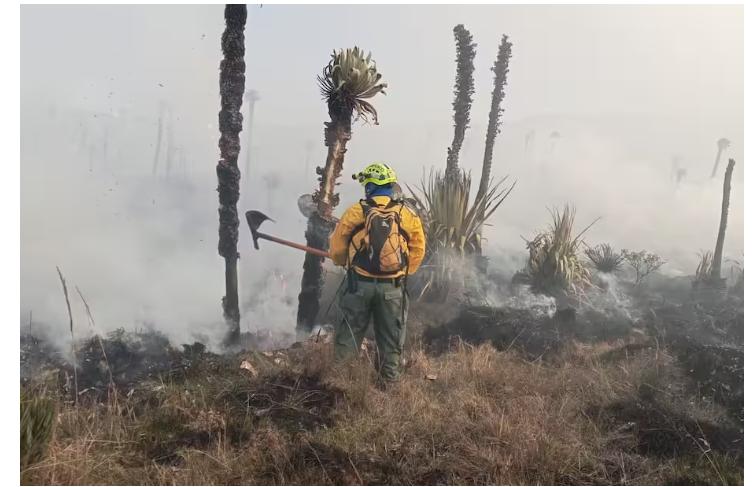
x=491, y=396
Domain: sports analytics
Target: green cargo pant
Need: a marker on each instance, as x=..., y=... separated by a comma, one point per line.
x=383, y=301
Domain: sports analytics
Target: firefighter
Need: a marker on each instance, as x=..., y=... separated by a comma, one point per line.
x=380, y=241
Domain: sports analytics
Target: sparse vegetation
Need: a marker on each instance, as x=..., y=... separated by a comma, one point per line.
x=604, y=258
x=643, y=263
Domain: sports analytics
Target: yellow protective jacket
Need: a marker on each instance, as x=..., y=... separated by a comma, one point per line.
x=339, y=243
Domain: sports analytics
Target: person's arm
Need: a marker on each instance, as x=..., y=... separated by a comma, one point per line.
x=416, y=245
x=340, y=239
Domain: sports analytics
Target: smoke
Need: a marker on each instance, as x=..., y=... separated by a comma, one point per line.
x=612, y=300
x=142, y=249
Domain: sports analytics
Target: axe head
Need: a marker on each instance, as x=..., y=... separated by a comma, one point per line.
x=255, y=219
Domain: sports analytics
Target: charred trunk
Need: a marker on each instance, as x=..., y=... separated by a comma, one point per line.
x=231, y=88
x=321, y=222
x=715, y=272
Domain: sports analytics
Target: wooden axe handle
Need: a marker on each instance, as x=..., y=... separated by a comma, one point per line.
x=304, y=248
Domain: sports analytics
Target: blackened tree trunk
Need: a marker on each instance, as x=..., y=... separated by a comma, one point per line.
x=464, y=88
x=231, y=88
x=500, y=69
x=715, y=272
x=337, y=133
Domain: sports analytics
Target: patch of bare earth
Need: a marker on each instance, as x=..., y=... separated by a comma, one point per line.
x=599, y=414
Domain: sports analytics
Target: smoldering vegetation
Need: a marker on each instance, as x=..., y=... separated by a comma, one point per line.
x=653, y=396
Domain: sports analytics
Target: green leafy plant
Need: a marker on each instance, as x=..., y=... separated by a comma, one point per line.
x=553, y=266
x=604, y=258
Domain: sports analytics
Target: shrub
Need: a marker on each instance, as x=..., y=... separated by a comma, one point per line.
x=643, y=262
x=605, y=259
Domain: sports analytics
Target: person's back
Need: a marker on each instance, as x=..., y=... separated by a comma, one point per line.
x=380, y=241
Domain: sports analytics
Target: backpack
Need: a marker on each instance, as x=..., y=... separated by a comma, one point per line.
x=380, y=242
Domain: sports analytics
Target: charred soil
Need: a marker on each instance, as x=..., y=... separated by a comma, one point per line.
x=491, y=396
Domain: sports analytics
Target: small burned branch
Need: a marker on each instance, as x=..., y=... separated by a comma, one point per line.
x=73, y=338
x=99, y=337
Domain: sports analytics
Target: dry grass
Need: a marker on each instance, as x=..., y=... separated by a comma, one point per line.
x=605, y=415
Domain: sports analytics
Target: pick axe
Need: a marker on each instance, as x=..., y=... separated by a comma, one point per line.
x=256, y=218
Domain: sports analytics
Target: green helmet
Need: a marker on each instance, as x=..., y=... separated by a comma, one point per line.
x=376, y=173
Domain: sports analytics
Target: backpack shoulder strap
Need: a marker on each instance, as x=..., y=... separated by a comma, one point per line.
x=399, y=202
x=365, y=205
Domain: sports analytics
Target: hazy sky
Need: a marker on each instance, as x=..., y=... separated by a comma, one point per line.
x=627, y=86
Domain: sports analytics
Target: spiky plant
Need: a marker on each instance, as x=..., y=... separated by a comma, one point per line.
x=554, y=267
x=37, y=423
x=452, y=227
x=464, y=89
x=703, y=271
x=722, y=144
x=231, y=88
x=346, y=83
x=604, y=258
